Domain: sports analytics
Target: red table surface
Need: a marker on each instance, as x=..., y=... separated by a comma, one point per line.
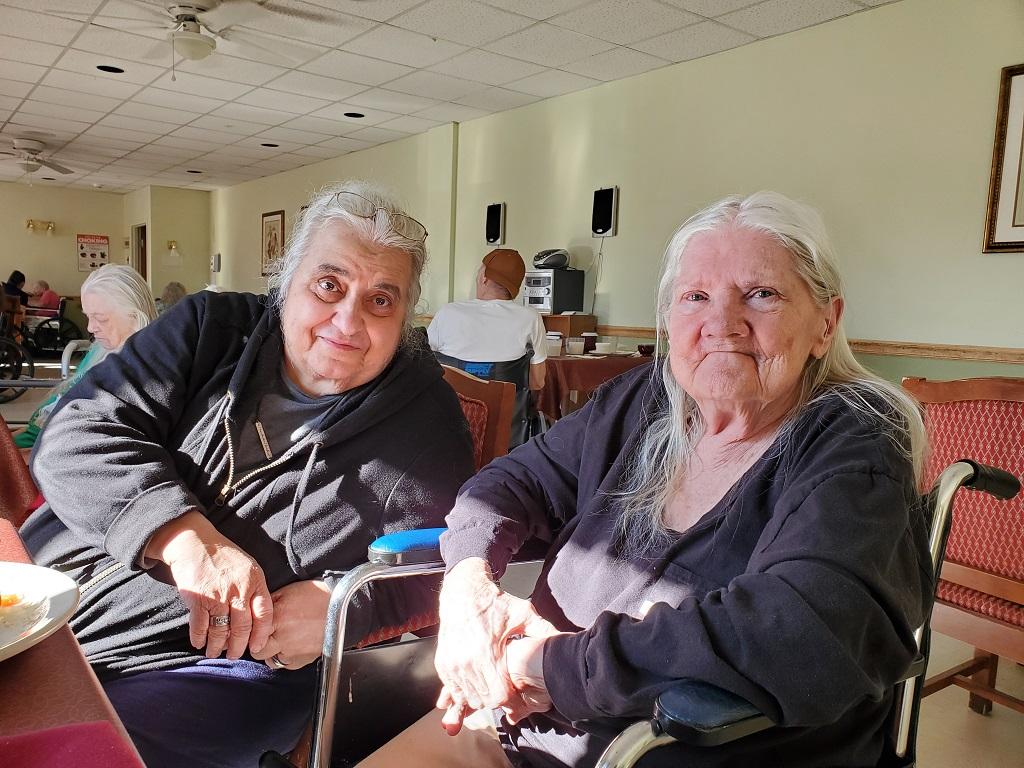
x=51, y=684
x=581, y=375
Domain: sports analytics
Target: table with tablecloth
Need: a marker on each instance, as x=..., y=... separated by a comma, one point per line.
x=53, y=711
x=570, y=379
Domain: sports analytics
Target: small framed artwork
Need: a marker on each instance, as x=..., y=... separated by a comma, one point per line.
x=1004, y=219
x=272, y=239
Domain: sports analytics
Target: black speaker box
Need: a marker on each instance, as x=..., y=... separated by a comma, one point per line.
x=494, y=227
x=605, y=215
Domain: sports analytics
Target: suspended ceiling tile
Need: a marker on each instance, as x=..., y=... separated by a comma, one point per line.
x=334, y=29
x=19, y=70
x=29, y=51
x=346, y=144
x=86, y=62
x=776, y=17
x=536, y=9
x=196, y=85
x=10, y=102
x=287, y=102
x=99, y=86
x=257, y=142
x=152, y=112
x=496, y=99
x=693, y=42
x=235, y=111
x=548, y=45
x=227, y=125
x=553, y=83
x=56, y=125
x=379, y=10
x=403, y=47
x=134, y=139
x=377, y=135
x=615, y=64
x=434, y=85
x=320, y=125
x=236, y=153
x=14, y=88
x=233, y=69
x=487, y=68
x=624, y=21
x=462, y=21
x=391, y=101
x=451, y=113
x=409, y=124
x=177, y=99
x=265, y=47
x=124, y=45
x=38, y=26
x=318, y=152
x=711, y=8
x=205, y=135
x=61, y=111
x=280, y=135
x=356, y=68
x=139, y=124
x=317, y=86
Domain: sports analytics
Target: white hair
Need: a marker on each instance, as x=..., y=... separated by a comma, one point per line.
x=127, y=291
x=326, y=207
x=653, y=476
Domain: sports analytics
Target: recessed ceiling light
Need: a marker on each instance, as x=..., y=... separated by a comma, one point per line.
x=48, y=178
x=97, y=186
x=354, y=114
x=193, y=171
x=110, y=68
x=268, y=144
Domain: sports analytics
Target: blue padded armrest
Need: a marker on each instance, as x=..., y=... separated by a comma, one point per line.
x=704, y=715
x=415, y=547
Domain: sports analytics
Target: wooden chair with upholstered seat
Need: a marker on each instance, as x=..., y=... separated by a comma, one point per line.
x=488, y=407
x=17, y=491
x=980, y=596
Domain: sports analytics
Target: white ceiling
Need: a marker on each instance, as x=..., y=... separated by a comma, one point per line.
x=406, y=65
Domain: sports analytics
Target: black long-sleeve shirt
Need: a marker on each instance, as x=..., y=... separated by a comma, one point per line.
x=798, y=591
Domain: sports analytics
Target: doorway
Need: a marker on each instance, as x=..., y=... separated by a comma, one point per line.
x=138, y=260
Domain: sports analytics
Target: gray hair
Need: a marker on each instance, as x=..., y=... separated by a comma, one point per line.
x=653, y=476
x=173, y=293
x=127, y=289
x=326, y=207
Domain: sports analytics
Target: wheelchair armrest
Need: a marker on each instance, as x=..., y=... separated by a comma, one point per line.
x=704, y=715
x=416, y=547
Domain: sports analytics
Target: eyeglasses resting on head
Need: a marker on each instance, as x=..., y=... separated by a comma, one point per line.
x=364, y=208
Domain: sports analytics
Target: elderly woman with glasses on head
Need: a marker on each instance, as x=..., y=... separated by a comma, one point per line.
x=743, y=513
x=207, y=484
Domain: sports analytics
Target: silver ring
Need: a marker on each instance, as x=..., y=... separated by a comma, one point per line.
x=220, y=621
x=278, y=662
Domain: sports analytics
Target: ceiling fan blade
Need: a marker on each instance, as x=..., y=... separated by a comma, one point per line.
x=261, y=46
x=161, y=49
x=54, y=166
x=132, y=25
x=9, y=154
x=232, y=13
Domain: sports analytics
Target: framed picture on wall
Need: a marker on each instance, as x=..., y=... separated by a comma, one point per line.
x=272, y=240
x=1004, y=220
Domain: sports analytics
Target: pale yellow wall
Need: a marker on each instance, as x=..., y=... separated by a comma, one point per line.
x=137, y=212
x=416, y=169
x=181, y=215
x=883, y=120
x=53, y=257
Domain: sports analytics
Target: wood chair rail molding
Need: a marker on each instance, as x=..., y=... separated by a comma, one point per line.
x=961, y=390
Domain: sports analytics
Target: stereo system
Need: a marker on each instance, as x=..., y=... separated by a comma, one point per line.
x=553, y=291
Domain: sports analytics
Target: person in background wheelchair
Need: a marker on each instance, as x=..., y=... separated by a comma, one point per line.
x=744, y=512
x=117, y=301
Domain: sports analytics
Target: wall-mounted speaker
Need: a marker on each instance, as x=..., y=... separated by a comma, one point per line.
x=215, y=262
x=494, y=227
x=605, y=216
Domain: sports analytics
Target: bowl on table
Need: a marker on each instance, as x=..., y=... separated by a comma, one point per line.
x=604, y=347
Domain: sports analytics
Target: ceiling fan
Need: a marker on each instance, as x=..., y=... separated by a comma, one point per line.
x=26, y=155
x=193, y=27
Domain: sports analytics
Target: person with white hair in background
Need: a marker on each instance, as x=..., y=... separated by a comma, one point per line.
x=213, y=480
x=743, y=512
x=117, y=303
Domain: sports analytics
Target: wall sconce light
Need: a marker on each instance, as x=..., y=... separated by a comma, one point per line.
x=34, y=225
x=50, y=227
x=172, y=245
x=30, y=225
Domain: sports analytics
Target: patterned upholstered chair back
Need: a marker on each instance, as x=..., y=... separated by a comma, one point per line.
x=980, y=597
x=487, y=406
x=17, y=491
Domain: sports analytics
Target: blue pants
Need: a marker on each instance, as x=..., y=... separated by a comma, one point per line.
x=215, y=714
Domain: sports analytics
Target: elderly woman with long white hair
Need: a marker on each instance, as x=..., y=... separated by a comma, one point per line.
x=743, y=512
x=207, y=484
x=117, y=303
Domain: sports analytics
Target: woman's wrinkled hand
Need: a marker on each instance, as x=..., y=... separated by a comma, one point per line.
x=300, y=615
x=477, y=619
x=524, y=661
x=216, y=579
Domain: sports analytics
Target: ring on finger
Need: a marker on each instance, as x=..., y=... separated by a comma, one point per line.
x=220, y=621
x=278, y=662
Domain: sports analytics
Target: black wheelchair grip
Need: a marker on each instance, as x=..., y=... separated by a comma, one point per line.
x=994, y=481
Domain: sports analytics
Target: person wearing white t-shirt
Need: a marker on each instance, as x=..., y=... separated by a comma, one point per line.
x=492, y=327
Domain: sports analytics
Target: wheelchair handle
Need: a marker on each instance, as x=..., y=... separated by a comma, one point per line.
x=992, y=480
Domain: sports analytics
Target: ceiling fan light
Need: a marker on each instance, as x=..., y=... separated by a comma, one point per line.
x=28, y=166
x=192, y=45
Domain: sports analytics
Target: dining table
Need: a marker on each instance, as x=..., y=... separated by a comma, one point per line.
x=53, y=710
x=570, y=379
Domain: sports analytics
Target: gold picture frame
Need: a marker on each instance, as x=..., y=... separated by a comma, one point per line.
x=1004, y=217
x=271, y=240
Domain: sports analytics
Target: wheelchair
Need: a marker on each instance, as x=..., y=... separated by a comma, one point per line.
x=15, y=359
x=53, y=333
x=352, y=701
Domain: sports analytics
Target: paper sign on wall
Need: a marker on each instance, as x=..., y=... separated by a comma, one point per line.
x=93, y=252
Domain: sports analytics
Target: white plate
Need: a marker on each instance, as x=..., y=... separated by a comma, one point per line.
x=48, y=598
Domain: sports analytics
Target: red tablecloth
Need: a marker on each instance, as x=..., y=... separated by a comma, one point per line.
x=570, y=380
x=82, y=745
x=51, y=685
